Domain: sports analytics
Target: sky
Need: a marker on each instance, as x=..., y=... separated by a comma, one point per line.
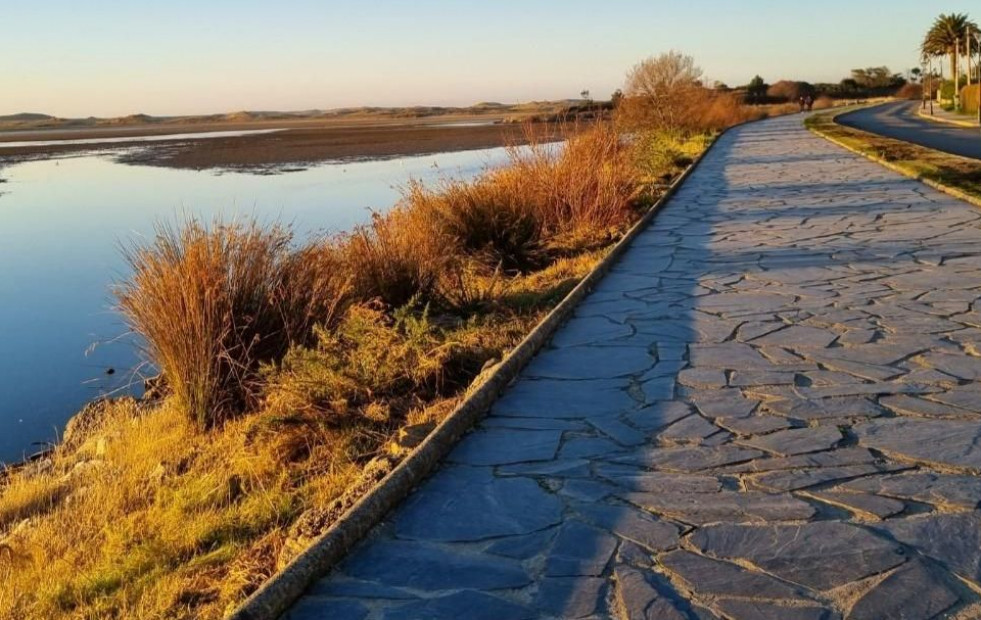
x=76, y=58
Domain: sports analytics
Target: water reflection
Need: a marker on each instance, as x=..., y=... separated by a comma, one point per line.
x=63, y=221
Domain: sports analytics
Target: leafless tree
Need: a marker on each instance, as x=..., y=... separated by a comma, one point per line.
x=660, y=89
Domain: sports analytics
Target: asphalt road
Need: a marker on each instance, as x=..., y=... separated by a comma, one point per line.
x=899, y=120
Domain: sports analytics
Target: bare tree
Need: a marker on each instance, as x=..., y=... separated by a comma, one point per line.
x=660, y=89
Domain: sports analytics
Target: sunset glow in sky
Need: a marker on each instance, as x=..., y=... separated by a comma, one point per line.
x=117, y=57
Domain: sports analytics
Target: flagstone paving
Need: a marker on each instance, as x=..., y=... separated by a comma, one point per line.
x=770, y=408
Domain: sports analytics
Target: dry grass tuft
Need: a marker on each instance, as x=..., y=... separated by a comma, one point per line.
x=212, y=303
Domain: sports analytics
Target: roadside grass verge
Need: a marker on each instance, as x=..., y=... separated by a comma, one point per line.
x=942, y=170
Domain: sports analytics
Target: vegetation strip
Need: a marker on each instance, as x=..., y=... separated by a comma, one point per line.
x=943, y=120
x=275, y=596
x=956, y=176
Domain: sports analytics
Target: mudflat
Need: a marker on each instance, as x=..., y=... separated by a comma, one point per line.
x=295, y=145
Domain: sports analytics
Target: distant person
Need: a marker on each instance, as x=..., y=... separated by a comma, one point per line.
x=809, y=102
x=802, y=103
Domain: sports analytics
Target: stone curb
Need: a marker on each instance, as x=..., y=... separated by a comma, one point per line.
x=940, y=187
x=277, y=594
x=945, y=121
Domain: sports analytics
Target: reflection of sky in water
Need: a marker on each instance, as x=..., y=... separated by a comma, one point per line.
x=63, y=222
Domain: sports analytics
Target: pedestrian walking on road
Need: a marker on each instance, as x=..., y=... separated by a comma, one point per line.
x=809, y=102
x=802, y=103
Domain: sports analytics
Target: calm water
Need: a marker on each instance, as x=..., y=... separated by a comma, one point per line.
x=63, y=221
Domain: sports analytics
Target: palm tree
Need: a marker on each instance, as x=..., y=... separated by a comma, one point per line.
x=943, y=37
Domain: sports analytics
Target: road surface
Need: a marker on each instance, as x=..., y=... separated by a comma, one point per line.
x=899, y=120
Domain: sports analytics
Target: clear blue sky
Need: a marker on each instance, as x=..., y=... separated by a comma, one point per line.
x=114, y=57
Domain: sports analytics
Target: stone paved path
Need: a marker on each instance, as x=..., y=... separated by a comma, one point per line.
x=770, y=409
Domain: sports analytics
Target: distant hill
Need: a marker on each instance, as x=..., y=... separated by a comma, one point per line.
x=25, y=117
x=508, y=112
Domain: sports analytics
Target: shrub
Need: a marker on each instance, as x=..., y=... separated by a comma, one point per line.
x=580, y=193
x=658, y=90
x=485, y=219
x=789, y=90
x=714, y=111
x=910, y=91
x=397, y=257
x=823, y=103
x=211, y=304
x=371, y=365
x=969, y=99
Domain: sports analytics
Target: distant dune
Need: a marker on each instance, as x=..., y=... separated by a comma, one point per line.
x=30, y=120
x=25, y=117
